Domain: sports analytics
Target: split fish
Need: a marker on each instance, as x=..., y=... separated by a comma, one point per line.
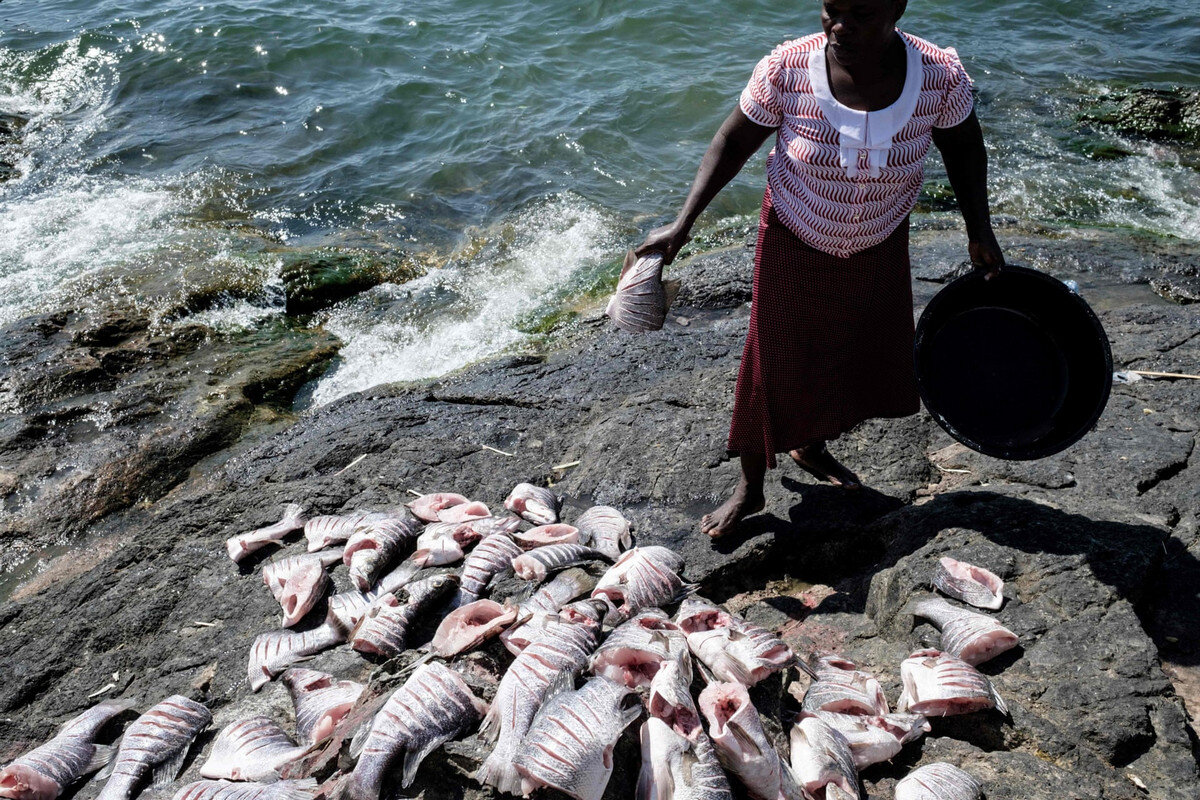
x=969, y=583
x=561, y=652
x=427, y=506
x=491, y=557
x=384, y=629
x=557, y=592
x=225, y=790
x=375, y=544
x=535, y=564
x=298, y=582
x=874, y=740
x=641, y=301
x=543, y=535
x=937, y=684
x=433, y=706
x=275, y=651
x=733, y=648
x=536, y=504
x=633, y=653
x=253, y=749
x=840, y=686
x=320, y=701
x=330, y=529
x=464, y=512
x=643, y=577
x=975, y=638
x=469, y=625
x=606, y=529
x=244, y=544
x=742, y=745
x=347, y=608
x=938, y=781
x=486, y=526
x=820, y=756
x=532, y=619
x=155, y=742
x=43, y=773
x=570, y=744
x=443, y=543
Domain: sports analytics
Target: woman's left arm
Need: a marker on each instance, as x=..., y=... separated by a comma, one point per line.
x=966, y=165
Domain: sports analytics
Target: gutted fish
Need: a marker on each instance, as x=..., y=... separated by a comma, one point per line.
x=633, y=653
x=874, y=740
x=464, y=512
x=938, y=781
x=821, y=756
x=156, y=743
x=427, y=506
x=347, y=608
x=331, y=529
x=539, y=625
x=543, y=535
x=742, y=745
x=570, y=745
x=374, y=545
x=253, y=749
x=225, y=790
x=492, y=557
x=470, y=625
x=443, y=543
x=559, y=653
x=298, y=582
x=556, y=593
x=43, y=773
x=275, y=651
x=643, y=577
x=732, y=648
x=486, y=526
x=539, y=562
x=384, y=629
x=640, y=302
x=937, y=684
x=975, y=638
x=969, y=583
x=244, y=544
x=320, y=700
x=536, y=504
x=841, y=687
x=433, y=706
x=606, y=529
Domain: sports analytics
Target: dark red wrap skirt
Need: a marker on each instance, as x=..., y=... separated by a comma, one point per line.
x=830, y=341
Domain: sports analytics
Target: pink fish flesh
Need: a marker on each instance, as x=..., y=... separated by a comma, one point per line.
x=244, y=544
x=427, y=506
x=437, y=546
x=821, y=756
x=634, y=651
x=156, y=742
x=969, y=583
x=643, y=577
x=543, y=535
x=433, y=706
x=253, y=749
x=548, y=599
x=975, y=638
x=298, y=582
x=733, y=648
x=493, y=556
x=464, y=512
x=320, y=701
x=536, y=504
x=874, y=740
x=841, y=687
x=606, y=529
x=225, y=790
x=384, y=629
x=43, y=773
x=570, y=745
x=535, y=564
x=470, y=625
x=275, y=651
x=741, y=744
x=330, y=529
x=938, y=781
x=937, y=684
x=640, y=302
x=374, y=545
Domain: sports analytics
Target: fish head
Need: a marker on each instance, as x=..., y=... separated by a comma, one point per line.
x=20, y=782
x=697, y=615
x=301, y=592
x=671, y=701
x=584, y=612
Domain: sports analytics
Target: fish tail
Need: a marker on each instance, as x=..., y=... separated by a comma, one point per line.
x=498, y=771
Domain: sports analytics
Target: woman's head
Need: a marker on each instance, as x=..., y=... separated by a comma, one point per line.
x=860, y=30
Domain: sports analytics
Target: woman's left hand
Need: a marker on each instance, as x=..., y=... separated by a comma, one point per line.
x=986, y=256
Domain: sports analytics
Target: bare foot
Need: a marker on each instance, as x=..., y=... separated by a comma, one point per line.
x=725, y=518
x=817, y=461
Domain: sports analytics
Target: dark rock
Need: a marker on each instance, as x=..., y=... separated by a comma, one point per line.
x=313, y=281
x=1182, y=290
x=1154, y=113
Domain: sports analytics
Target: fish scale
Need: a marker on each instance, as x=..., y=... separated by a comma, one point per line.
x=224, y=790
x=252, y=749
x=733, y=648
x=633, y=652
x=969, y=583
x=742, y=746
x=330, y=529
x=678, y=759
x=643, y=577
x=490, y=557
x=975, y=638
x=820, y=756
x=156, y=740
x=606, y=529
x=275, y=651
x=536, y=504
x=937, y=684
x=841, y=686
x=384, y=629
x=938, y=781
x=537, y=563
x=71, y=754
x=320, y=701
x=375, y=544
x=874, y=739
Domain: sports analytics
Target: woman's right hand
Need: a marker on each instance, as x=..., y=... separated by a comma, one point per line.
x=668, y=240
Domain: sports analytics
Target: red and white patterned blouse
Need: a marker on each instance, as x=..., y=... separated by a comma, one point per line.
x=841, y=179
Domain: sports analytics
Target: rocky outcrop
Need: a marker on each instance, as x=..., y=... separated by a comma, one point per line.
x=1172, y=114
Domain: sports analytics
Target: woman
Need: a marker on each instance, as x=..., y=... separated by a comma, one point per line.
x=854, y=110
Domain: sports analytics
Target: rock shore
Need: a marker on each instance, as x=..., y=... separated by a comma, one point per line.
x=1100, y=545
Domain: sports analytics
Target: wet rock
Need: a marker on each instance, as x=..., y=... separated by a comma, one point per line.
x=11, y=125
x=313, y=281
x=1182, y=289
x=1172, y=114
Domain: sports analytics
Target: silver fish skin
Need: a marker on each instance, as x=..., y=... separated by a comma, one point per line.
x=493, y=556
x=937, y=684
x=244, y=544
x=973, y=585
x=535, y=504
x=678, y=759
x=275, y=651
x=606, y=529
x=640, y=302
x=733, y=648
x=633, y=653
x=543, y=535
x=157, y=742
x=43, y=773
x=741, y=744
x=486, y=526
x=536, y=564
x=938, y=781
x=376, y=544
x=252, y=749
x=384, y=629
x=298, y=582
x=227, y=790
x=548, y=599
x=320, y=701
x=468, y=626
x=840, y=686
x=328, y=530
x=427, y=506
x=556, y=656
x=874, y=740
x=975, y=638
x=820, y=756
x=570, y=745
x=643, y=577
x=433, y=706
x=347, y=608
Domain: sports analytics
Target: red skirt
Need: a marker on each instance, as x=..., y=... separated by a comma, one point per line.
x=830, y=341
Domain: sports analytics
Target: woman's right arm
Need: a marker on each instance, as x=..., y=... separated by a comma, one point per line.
x=737, y=139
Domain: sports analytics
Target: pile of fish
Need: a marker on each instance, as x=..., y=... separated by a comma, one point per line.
x=608, y=634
